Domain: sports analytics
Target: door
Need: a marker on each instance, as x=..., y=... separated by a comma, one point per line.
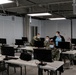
x=34, y=31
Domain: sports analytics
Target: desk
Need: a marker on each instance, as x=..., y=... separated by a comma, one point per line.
x=27, y=48
x=2, y=61
x=2, y=57
x=50, y=66
x=71, y=54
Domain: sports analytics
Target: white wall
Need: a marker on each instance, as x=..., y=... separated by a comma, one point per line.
x=49, y=28
x=11, y=28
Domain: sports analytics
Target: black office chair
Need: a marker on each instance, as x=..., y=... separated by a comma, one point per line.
x=24, y=56
x=3, y=68
x=15, y=66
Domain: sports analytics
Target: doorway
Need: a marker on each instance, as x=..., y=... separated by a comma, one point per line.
x=34, y=31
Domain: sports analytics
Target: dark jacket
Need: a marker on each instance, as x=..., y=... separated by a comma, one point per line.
x=54, y=38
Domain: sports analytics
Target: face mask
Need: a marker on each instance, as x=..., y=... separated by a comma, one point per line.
x=38, y=36
x=57, y=34
x=51, y=46
x=47, y=39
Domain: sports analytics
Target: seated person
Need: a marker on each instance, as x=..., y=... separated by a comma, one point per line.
x=55, y=51
x=47, y=41
x=35, y=38
x=55, y=54
x=51, y=43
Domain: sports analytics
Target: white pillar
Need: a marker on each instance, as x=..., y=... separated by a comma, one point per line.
x=26, y=26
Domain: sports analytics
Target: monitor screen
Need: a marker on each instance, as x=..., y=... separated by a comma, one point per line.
x=2, y=40
x=7, y=51
x=43, y=55
x=19, y=42
x=73, y=41
x=42, y=39
x=25, y=39
x=39, y=44
x=64, y=45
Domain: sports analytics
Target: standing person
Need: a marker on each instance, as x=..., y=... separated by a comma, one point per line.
x=58, y=38
x=35, y=38
x=47, y=41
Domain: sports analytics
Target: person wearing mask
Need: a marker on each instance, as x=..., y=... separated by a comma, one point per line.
x=51, y=43
x=47, y=41
x=58, y=38
x=35, y=38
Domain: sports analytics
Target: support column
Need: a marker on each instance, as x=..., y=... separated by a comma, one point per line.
x=26, y=26
x=71, y=30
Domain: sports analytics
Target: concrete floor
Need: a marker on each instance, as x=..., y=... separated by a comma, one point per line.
x=34, y=71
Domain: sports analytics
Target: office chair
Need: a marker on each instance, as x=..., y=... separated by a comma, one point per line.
x=15, y=66
x=3, y=68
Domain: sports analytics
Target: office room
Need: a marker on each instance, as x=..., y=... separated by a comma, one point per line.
x=37, y=37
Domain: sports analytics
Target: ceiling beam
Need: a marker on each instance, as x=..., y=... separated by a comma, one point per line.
x=32, y=5
x=8, y=13
x=31, y=1
x=17, y=3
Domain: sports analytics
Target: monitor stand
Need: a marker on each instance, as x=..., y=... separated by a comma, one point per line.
x=6, y=58
x=42, y=63
x=18, y=46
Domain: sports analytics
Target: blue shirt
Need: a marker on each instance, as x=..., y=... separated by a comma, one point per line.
x=58, y=39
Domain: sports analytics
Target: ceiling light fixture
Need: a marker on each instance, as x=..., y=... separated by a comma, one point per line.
x=39, y=14
x=5, y=1
x=57, y=18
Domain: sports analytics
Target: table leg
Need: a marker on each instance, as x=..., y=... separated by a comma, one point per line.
x=53, y=72
x=8, y=69
x=25, y=70
x=40, y=71
x=47, y=72
x=21, y=70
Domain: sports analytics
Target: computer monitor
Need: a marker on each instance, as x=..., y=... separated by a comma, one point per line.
x=19, y=42
x=7, y=51
x=43, y=55
x=39, y=44
x=25, y=39
x=42, y=39
x=2, y=41
x=73, y=41
x=64, y=45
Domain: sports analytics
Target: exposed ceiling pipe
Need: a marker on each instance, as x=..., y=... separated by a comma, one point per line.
x=17, y=3
x=39, y=4
x=31, y=1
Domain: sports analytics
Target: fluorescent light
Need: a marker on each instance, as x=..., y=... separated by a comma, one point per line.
x=5, y=1
x=57, y=18
x=39, y=14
